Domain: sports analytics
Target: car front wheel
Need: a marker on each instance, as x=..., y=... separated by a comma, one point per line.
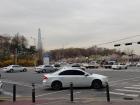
x=96, y=84
x=11, y=70
x=24, y=70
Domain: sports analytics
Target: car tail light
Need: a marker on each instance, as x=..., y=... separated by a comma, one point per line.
x=45, y=77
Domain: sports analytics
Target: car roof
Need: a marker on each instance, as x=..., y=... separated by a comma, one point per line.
x=67, y=68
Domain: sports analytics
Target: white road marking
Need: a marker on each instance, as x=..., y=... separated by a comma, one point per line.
x=21, y=83
x=75, y=93
x=55, y=93
x=125, y=90
x=123, y=94
x=116, y=82
x=50, y=93
x=119, y=83
x=132, y=87
x=136, y=85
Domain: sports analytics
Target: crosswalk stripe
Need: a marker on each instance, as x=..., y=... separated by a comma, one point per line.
x=125, y=90
x=132, y=87
x=136, y=85
x=123, y=94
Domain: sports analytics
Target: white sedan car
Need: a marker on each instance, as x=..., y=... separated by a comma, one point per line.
x=63, y=77
x=14, y=68
x=119, y=66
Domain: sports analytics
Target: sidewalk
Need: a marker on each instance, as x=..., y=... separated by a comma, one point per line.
x=68, y=102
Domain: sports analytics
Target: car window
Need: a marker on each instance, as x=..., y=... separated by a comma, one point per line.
x=75, y=65
x=15, y=66
x=48, y=66
x=72, y=72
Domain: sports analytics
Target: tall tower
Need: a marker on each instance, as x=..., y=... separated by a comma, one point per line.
x=40, y=49
x=39, y=46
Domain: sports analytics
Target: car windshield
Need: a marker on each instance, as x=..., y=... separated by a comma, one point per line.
x=10, y=66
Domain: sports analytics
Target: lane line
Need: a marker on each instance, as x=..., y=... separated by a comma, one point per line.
x=123, y=94
x=132, y=87
x=75, y=93
x=136, y=85
x=125, y=90
x=119, y=83
x=50, y=93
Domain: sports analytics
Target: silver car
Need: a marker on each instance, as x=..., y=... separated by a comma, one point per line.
x=45, y=69
x=63, y=77
x=14, y=68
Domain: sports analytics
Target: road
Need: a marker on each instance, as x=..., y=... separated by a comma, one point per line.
x=123, y=83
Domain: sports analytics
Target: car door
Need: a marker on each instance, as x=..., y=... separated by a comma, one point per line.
x=15, y=67
x=66, y=78
x=82, y=79
x=78, y=78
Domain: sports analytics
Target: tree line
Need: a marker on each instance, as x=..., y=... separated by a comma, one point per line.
x=14, y=49
x=93, y=51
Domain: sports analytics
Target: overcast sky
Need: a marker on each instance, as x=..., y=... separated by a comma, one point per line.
x=72, y=23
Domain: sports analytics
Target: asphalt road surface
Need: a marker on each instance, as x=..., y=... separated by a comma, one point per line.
x=122, y=83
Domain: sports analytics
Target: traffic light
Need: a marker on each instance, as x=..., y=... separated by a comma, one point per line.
x=116, y=45
x=128, y=44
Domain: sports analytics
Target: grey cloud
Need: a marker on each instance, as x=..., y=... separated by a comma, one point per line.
x=71, y=21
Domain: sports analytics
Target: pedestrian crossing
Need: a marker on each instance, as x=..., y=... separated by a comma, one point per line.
x=131, y=91
x=128, y=70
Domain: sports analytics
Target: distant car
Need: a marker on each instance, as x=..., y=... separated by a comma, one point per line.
x=132, y=64
x=119, y=66
x=63, y=77
x=57, y=66
x=78, y=66
x=138, y=64
x=92, y=65
x=108, y=64
x=14, y=68
x=45, y=69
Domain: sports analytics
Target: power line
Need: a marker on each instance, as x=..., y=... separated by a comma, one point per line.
x=118, y=40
